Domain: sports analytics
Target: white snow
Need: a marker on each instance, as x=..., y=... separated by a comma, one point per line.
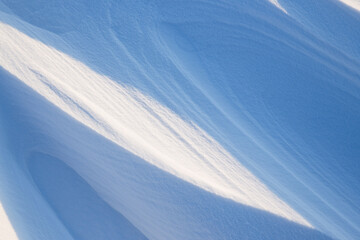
x=352, y=3
x=179, y=120
x=278, y=5
x=6, y=229
x=135, y=122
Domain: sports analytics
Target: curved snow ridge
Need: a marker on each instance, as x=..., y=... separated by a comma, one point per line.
x=135, y=122
x=278, y=5
x=71, y=198
x=185, y=43
x=212, y=92
x=42, y=138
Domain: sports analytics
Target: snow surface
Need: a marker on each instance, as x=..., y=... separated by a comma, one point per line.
x=352, y=3
x=179, y=119
x=6, y=229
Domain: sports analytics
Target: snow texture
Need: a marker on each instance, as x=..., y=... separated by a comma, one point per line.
x=175, y=119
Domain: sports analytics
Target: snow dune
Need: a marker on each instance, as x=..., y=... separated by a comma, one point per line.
x=179, y=119
x=157, y=204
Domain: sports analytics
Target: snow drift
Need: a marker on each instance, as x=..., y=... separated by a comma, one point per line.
x=180, y=119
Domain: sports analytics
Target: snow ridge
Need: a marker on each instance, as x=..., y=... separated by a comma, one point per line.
x=179, y=119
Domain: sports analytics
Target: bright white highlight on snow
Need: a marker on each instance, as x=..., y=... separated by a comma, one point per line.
x=278, y=5
x=135, y=122
x=6, y=230
x=176, y=120
x=352, y=3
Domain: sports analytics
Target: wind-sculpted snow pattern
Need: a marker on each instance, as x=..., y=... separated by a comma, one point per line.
x=173, y=119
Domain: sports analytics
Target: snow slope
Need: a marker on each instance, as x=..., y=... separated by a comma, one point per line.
x=352, y=3
x=6, y=229
x=180, y=119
